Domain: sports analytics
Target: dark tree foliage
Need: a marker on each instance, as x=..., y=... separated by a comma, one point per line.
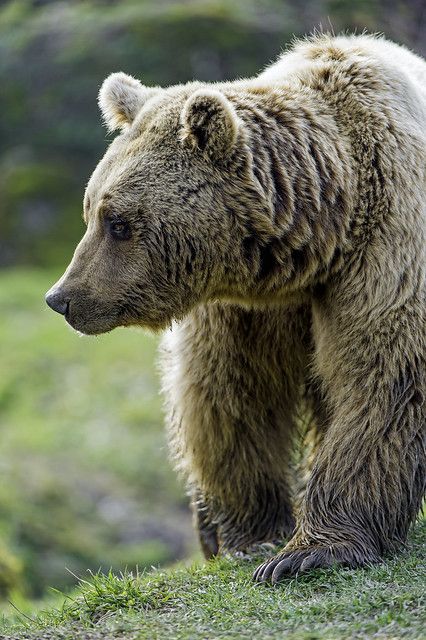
x=54, y=56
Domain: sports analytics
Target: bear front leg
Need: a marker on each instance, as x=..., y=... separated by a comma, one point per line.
x=233, y=378
x=368, y=478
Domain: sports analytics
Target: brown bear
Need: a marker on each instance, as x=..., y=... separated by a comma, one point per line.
x=276, y=227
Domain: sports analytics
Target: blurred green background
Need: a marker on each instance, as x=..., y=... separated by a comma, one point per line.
x=84, y=476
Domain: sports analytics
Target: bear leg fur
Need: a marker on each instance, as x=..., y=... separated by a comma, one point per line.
x=233, y=378
x=368, y=477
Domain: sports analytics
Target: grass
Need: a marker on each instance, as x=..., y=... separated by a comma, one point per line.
x=85, y=483
x=85, y=480
x=219, y=600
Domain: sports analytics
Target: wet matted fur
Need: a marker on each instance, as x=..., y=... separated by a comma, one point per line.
x=278, y=224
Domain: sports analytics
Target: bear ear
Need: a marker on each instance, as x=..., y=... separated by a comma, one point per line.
x=120, y=99
x=210, y=123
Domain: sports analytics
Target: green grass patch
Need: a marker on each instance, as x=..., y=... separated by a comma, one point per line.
x=85, y=480
x=219, y=600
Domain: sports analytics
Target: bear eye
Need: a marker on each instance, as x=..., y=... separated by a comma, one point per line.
x=119, y=229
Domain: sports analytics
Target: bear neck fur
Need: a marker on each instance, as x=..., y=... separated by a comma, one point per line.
x=296, y=184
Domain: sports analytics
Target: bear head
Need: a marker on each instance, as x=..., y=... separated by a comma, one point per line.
x=173, y=210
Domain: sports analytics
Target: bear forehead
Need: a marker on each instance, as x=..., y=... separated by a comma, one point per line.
x=161, y=113
x=134, y=163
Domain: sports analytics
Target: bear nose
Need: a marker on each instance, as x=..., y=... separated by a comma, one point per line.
x=57, y=301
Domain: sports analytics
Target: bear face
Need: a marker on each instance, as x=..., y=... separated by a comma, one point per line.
x=161, y=220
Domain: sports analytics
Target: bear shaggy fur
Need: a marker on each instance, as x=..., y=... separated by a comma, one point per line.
x=276, y=225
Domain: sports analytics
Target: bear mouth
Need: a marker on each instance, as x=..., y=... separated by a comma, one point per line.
x=94, y=323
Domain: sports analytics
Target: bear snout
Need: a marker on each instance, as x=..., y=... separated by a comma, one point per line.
x=57, y=301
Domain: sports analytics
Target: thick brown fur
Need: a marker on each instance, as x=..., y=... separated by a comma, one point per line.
x=278, y=224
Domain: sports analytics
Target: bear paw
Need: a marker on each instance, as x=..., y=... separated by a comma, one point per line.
x=302, y=559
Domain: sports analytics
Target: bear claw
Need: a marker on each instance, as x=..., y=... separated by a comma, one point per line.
x=288, y=563
x=291, y=563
